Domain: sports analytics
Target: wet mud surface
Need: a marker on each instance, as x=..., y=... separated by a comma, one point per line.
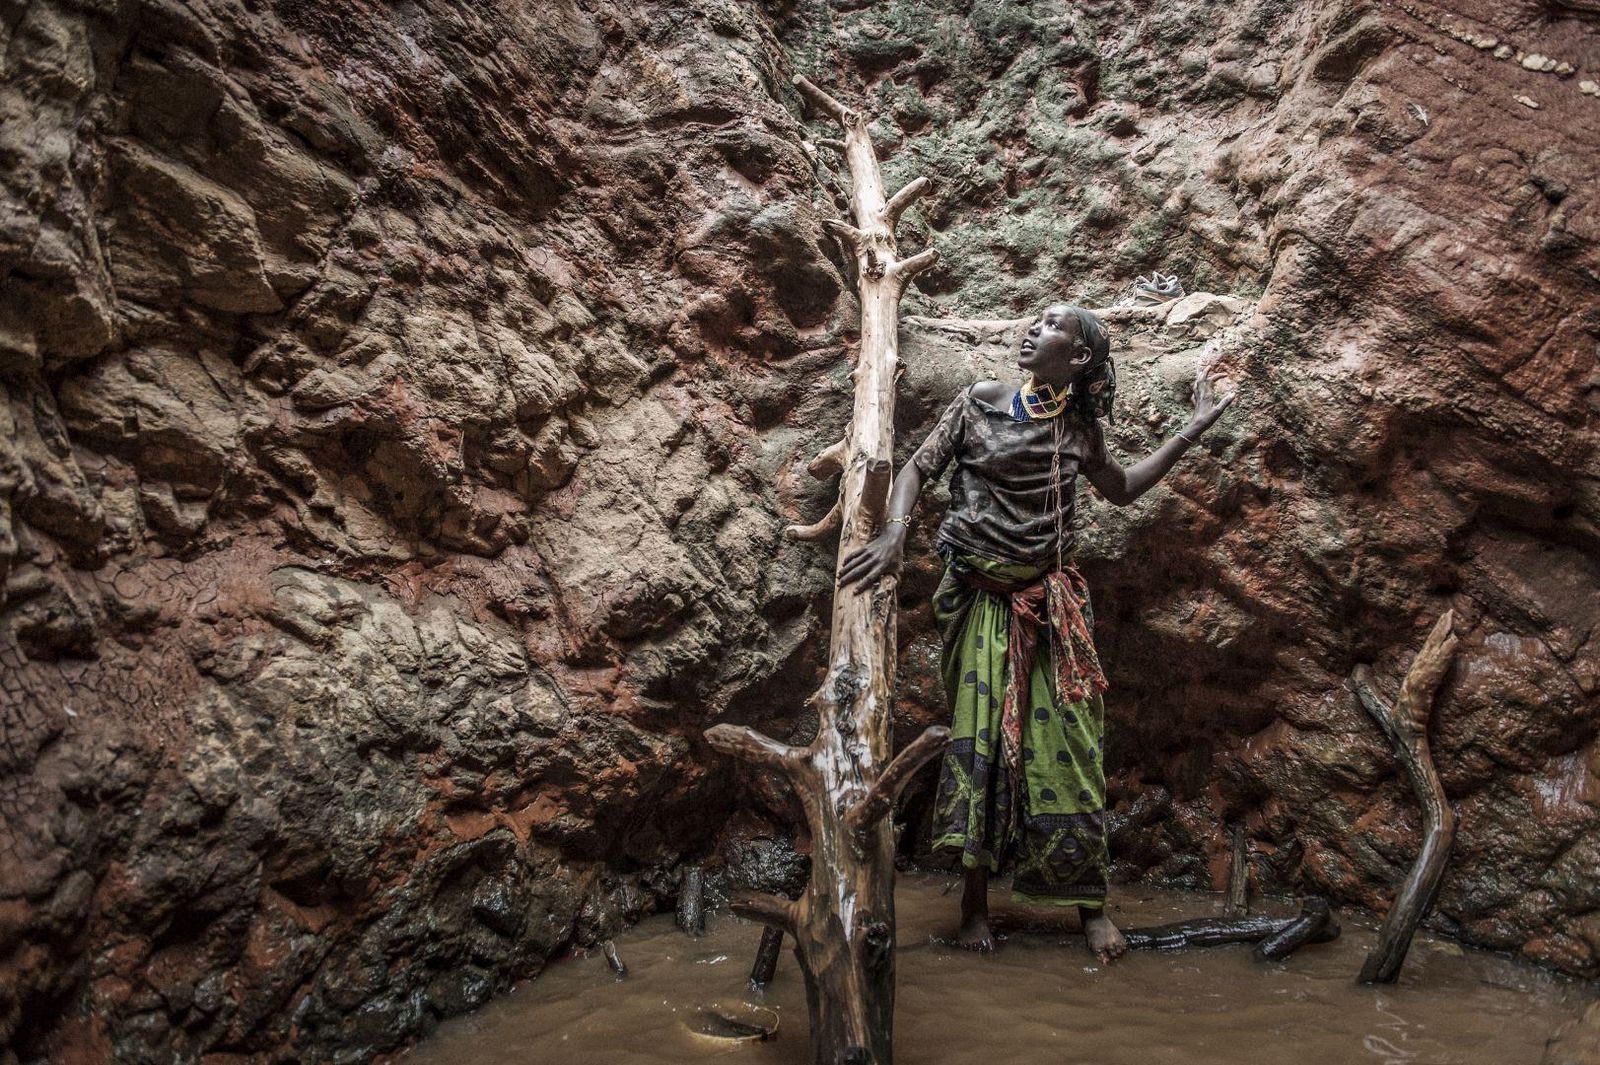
x=1042, y=997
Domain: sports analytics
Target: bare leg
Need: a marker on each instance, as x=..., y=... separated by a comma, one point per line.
x=1106, y=942
x=975, y=933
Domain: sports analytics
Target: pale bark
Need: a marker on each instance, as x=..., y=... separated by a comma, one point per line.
x=843, y=923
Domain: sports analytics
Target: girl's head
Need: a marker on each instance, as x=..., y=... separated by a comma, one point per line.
x=1068, y=346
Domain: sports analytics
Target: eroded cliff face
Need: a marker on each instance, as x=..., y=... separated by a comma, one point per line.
x=403, y=402
x=391, y=420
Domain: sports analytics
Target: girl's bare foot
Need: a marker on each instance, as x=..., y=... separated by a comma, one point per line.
x=1106, y=942
x=975, y=933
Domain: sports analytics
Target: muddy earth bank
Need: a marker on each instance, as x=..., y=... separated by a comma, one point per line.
x=401, y=405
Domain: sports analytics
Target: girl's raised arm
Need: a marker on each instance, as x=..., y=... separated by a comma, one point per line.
x=1123, y=484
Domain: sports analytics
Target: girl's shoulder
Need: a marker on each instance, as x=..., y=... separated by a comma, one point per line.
x=991, y=391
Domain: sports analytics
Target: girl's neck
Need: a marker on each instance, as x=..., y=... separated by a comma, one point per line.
x=1056, y=386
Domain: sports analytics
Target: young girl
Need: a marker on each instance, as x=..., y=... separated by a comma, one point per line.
x=1023, y=784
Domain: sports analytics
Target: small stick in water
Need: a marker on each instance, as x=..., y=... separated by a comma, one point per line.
x=613, y=959
x=692, y=902
x=1238, y=876
x=766, y=965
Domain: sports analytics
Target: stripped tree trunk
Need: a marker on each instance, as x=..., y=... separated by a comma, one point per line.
x=843, y=923
x=1406, y=725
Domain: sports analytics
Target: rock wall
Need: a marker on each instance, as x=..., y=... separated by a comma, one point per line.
x=393, y=396
x=402, y=403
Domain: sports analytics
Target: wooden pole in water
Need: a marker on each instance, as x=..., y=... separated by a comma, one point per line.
x=766, y=963
x=1238, y=903
x=843, y=923
x=1406, y=725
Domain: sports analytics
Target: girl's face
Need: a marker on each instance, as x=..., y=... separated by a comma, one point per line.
x=1053, y=349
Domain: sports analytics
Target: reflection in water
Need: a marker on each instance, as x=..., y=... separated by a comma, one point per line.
x=1042, y=998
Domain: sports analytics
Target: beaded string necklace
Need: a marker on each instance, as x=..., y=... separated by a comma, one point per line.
x=1056, y=506
x=1038, y=401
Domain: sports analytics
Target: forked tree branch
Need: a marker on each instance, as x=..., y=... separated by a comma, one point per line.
x=1406, y=725
x=841, y=114
x=817, y=530
x=880, y=801
x=829, y=461
x=770, y=910
x=903, y=199
x=754, y=747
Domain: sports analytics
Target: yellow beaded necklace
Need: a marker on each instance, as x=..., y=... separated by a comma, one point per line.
x=1038, y=401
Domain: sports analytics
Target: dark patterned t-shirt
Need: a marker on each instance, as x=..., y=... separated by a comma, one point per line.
x=1000, y=499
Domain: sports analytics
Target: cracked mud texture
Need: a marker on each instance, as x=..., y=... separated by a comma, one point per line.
x=401, y=405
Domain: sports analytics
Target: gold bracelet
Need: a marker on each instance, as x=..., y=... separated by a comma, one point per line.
x=904, y=519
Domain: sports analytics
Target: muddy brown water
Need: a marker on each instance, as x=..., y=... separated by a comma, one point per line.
x=1041, y=998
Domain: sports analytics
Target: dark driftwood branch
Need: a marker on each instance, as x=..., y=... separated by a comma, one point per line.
x=885, y=793
x=1406, y=725
x=1315, y=914
x=1214, y=931
x=1238, y=875
x=770, y=910
x=766, y=966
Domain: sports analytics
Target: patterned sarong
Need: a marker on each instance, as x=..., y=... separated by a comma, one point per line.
x=1022, y=785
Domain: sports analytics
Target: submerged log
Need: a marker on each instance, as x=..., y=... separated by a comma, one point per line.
x=843, y=923
x=1315, y=915
x=1406, y=725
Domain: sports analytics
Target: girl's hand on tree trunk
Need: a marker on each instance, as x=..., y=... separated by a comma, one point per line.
x=881, y=557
